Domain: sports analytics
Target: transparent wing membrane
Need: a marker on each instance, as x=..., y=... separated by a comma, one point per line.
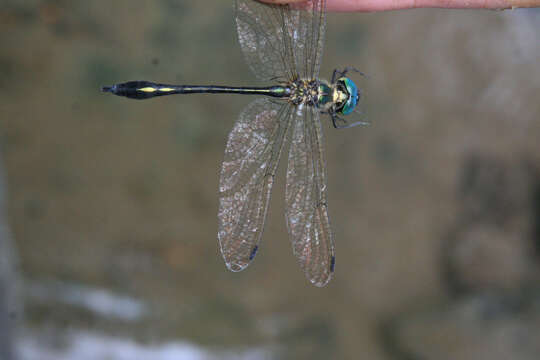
x=305, y=198
x=279, y=41
x=247, y=175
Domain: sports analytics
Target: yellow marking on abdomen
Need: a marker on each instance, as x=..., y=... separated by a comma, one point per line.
x=166, y=89
x=148, y=89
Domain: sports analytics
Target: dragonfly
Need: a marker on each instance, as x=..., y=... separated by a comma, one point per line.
x=282, y=44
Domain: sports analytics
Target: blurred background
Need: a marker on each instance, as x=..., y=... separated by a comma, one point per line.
x=108, y=246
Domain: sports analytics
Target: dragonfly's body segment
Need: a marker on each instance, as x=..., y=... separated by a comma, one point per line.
x=285, y=43
x=141, y=90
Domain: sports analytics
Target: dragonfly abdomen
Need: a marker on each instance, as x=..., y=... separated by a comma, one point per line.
x=140, y=90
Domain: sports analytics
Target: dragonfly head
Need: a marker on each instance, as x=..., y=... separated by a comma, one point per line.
x=351, y=95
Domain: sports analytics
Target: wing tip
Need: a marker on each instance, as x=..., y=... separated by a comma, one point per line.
x=321, y=282
x=321, y=279
x=237, y=266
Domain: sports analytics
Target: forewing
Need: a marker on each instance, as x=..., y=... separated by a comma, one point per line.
x=280, y=41
x=310, y=40
x=247, y=174
x=306, y=206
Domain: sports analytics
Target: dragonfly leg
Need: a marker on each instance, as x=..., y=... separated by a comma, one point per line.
x=356, y=123
x=341, y=123
x=336, y=120
x=338, y=73
x=334, y=75
x=349, y=68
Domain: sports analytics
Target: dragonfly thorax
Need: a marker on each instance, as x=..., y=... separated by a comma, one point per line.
x=305, y=92
x=340, y=97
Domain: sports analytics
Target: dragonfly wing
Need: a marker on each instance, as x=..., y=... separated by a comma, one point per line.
x=247, y=175
x=306, y=206
x=280, y=41
x=310, y=39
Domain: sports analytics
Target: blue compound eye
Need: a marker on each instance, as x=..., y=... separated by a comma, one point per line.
x=352, y=101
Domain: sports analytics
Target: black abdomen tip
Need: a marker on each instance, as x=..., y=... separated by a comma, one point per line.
x=138, y=90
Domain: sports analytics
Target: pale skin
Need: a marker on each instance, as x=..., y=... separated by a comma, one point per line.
x=385, y=5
